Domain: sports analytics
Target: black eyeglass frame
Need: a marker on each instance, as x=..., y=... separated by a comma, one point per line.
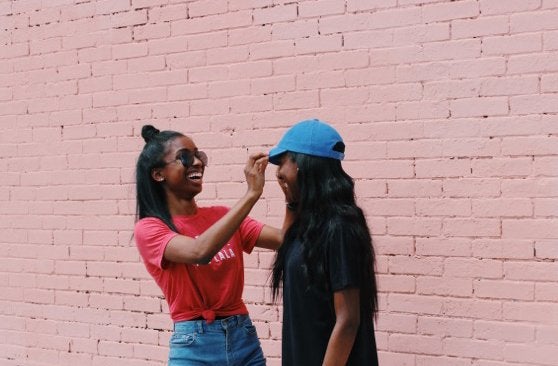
x=186, y=157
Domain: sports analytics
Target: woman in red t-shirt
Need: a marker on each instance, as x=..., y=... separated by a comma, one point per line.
x=195, y=254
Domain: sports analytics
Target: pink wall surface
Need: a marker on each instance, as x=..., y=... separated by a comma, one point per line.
x=449, y=110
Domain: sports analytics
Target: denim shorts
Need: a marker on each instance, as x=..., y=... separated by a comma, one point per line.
x=232, y=341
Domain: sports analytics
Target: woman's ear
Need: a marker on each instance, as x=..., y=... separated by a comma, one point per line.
x=157, y=175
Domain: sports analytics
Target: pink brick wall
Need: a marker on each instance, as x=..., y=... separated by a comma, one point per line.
x=449, y=110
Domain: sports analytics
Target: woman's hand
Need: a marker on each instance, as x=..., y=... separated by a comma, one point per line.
x=254, y=171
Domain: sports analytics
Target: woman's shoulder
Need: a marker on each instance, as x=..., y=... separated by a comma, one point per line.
x=149, y=227
x=347, y=227
x=346, y=215
x=340, y=220
x=148, y=224
x=148, y=221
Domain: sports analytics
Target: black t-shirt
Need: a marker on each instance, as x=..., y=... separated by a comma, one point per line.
x=309, y=313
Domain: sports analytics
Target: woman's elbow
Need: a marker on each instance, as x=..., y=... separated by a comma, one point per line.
x=201, y=257
x=203, y=260
x=350, y=324
x=353, y=326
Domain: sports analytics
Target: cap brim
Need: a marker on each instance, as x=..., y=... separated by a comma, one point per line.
x=275, y=155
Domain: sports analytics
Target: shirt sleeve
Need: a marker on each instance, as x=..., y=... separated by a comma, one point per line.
x=250, y=230
x=343, y=260
x=152, y=236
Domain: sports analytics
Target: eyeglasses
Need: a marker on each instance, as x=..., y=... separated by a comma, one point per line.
x=186, y=157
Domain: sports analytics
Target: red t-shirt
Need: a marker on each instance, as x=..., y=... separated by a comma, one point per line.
x=194, y=290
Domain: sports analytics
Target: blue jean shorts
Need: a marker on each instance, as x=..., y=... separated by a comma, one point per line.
x=232, y=341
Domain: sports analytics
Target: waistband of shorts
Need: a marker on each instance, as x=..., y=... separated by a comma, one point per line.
x=201, y=325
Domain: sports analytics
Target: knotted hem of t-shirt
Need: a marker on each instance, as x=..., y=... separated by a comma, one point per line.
x=208, y=315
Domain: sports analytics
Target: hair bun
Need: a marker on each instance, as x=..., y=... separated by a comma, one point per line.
x=148, y=132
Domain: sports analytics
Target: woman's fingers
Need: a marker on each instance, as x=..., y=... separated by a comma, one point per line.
x=255, y=171
x=258, y=160
x=261, y=164
x=255, y=157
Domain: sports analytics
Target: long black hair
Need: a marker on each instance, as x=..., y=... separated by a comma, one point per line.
x=327, y=211
x=151, y=200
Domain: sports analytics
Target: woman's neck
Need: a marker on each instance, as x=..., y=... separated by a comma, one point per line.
x=182, y=207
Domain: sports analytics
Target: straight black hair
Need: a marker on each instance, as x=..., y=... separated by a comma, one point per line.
x=327, y=212
x=151, y=200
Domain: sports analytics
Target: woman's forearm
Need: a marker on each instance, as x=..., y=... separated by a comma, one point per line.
x=347, y=321
x=340, y=344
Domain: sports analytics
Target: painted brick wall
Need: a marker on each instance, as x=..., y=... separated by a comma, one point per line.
x=449, y=110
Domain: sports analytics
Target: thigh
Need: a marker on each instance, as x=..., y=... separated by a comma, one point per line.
x=246, y=345
x=197, y=349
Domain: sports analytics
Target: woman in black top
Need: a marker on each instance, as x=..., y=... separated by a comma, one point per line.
x=326, y=263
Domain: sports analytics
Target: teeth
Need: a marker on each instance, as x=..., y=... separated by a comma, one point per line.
x=195, y=176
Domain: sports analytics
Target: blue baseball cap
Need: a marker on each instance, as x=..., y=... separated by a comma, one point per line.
x=311, y=137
